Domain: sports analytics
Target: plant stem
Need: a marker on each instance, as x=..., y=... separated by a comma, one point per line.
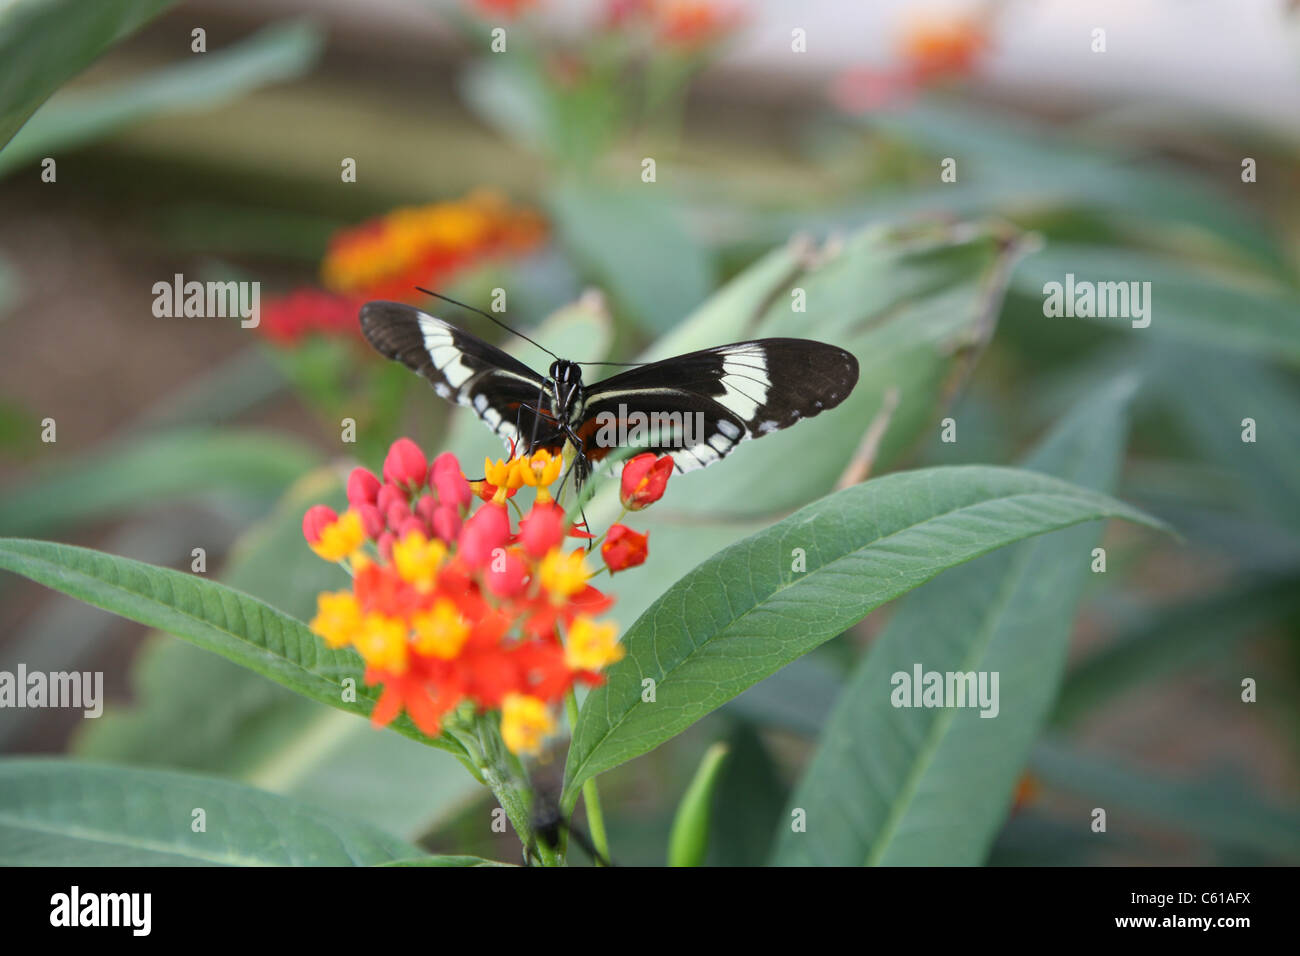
x=590, y=793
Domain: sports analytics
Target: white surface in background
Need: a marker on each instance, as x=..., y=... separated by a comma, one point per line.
x=1236, y=57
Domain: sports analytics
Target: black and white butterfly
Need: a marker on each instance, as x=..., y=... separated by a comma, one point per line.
x=704, y=403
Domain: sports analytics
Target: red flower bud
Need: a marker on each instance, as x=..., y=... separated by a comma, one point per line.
x=644, y=480
x=623, y=548
x=371, y=520
x=317, y=518
x=542, y=530
x=485, y=530
x=446, y=522
x=385, y=545
x=388, y=496
x=424, y=510
x=411, y=525
x=397, y=515
x=446, y=478
x=506, y=574
x=406, y=464
x=363, y=488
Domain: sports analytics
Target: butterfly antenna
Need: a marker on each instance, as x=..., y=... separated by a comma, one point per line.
x=486, y=315
x=623, y=364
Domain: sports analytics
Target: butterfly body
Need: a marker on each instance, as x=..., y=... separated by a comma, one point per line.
x=695, y=407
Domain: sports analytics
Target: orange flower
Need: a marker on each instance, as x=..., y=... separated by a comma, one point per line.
x=644, y=480
x=423, y=245
x=692, y=24
x=623, y=548
x=934, y=47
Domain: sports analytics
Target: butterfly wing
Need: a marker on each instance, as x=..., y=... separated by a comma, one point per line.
x=461, y=367
x=739, y=391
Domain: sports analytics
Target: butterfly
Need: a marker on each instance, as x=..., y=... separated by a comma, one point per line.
x=695, y=408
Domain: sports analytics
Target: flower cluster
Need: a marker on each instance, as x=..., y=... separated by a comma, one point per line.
x=451, y=604
x=387, y=257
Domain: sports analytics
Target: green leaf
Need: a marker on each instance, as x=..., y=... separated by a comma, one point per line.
x=147, y=471
x=906, y=786
x=1186, y=304
x=65, y=813
x=210, y=615
x=636, y=247
x=242, y=725
x=75, y=117
x=43, y=43
x=1219, y=812
x=688, y=843
x=744, y=613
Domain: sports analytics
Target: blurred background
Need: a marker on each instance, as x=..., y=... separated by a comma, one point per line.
x=791, y=145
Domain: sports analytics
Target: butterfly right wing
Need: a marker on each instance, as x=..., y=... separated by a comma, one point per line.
x=461, y=367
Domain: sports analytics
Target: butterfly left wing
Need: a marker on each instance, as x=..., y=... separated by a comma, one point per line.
x=739, y=391
x=461, y=367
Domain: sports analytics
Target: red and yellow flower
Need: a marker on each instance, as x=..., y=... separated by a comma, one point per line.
x=449, y=605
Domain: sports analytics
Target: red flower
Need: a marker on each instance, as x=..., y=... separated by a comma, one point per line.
x=623, y=548
x=644, y=480
x=306, y=311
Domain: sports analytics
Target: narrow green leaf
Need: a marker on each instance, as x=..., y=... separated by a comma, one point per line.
x=43, y=43
x=75, y=117
x=911, y=785
x=656, y=270
x=1186, y=304
x=746, y=612
x=445, y=861
x=1167, y=639
x=147, y=471
x=210, y=615
x=688, y=843
x=66, y=813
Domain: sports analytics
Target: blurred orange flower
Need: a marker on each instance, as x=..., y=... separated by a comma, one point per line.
x=935, y=47
x=387, y=257
x=691, y=24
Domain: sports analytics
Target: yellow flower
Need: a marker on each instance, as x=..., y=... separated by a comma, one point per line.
x=563, y=575
x=440, y=632
x=540, y=471
x=340, y=539
x=338, y=617
x=591, y=646
x=382, y=643
x=525, y=723
x=505, y=473
x=418, y=559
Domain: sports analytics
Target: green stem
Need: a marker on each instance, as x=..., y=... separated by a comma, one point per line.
x=590, y=793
